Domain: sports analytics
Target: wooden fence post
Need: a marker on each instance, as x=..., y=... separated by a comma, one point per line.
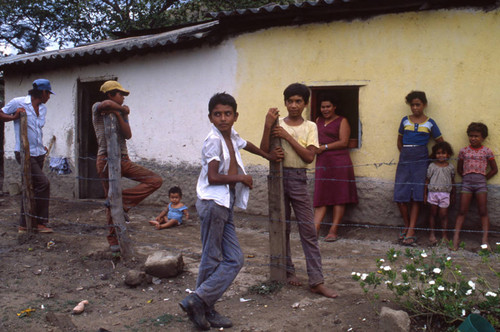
x=277, y=222
x=27, y=185
x=115, y=188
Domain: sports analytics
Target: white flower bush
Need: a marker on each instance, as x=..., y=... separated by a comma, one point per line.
x=433, y=286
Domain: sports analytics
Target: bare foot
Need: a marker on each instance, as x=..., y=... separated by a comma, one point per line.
x=294, y=281
x=321, y=289
x=153, y=223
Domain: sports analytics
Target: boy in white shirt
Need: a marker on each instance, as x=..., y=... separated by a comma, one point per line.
x=222, y=184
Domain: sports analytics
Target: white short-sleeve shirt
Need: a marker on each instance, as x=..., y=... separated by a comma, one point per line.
x=35, y=124
x=215, y=148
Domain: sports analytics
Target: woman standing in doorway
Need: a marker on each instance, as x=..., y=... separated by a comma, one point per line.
x=334, y=179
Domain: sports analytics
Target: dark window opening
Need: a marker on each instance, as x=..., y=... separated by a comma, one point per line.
x=348, y=107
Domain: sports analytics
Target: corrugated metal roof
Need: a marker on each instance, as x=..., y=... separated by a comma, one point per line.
x=351, y=5
x=274, y=8
x=196, y=32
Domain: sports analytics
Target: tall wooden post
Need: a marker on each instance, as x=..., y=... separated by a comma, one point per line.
x=277, y=222
x=115, y=187
x=27, y=190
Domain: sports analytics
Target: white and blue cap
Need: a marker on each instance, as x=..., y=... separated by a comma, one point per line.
x=42, y=84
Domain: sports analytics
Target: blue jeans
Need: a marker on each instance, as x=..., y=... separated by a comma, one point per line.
x=221, y=257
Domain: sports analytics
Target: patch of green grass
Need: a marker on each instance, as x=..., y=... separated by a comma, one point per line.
x=163, y=320
x=266, y=288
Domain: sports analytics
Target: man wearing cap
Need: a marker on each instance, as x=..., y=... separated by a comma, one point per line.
x=34, y=106
x=114, y=95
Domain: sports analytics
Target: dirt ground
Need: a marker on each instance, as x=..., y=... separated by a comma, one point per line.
x=52, y=279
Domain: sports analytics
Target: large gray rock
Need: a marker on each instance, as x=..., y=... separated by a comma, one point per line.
x=393, y=320
x=163, y=264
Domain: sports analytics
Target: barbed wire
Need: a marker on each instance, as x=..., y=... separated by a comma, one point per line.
x=392, y=162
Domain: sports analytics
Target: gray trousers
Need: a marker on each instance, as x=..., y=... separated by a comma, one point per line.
x=297, y=197
x=221, y=257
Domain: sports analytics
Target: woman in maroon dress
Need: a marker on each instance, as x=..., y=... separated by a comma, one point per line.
x=334, y=180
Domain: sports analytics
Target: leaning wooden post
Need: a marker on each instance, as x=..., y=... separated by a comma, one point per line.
x=277, y=222
x=115, y=188
x=27, y=186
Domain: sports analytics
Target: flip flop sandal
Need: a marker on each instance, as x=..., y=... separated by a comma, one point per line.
x=331, y=239
x=412, y=239
x=402, y=236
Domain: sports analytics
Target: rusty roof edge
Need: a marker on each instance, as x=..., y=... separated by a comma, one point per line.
x=107, y=46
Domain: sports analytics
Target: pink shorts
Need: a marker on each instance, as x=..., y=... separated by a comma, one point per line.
x=441, y=199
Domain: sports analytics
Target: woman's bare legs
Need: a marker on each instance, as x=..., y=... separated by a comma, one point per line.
x=319, y=214
x=414, y=209
x=338, y=214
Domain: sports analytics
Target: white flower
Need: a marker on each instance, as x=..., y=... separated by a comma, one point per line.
x=388, y=282
x=472, y=284
x=441, y=288
x=353, y=273
x=358, y=274
x=419, y=269
x=381, y=260
x=404, y=271
x=423, y=254
x=432, y=282
x=469, y=292
x=437, y=270
x=422, y=273
x=387, y=268
x=498, y=243
x=395, y=255
x=484, y=246
x=463, y=312
x=490, y=294
x=448, y=258
x=363, y=276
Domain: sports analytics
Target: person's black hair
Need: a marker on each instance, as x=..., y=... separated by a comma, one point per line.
x=222, y=98
x=479, y=127
x=416, y=95
x=444, y=146
x=35, y=93
x=297, y=89
x=175, y=190
x=329, y=97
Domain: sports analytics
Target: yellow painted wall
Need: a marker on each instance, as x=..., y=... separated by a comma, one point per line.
x=452, y=55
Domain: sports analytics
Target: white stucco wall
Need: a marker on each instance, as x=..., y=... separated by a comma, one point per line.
x=169, y=95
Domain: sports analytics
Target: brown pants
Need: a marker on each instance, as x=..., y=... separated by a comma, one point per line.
x=149, y=182
x=297, y=197
x=41, y=189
